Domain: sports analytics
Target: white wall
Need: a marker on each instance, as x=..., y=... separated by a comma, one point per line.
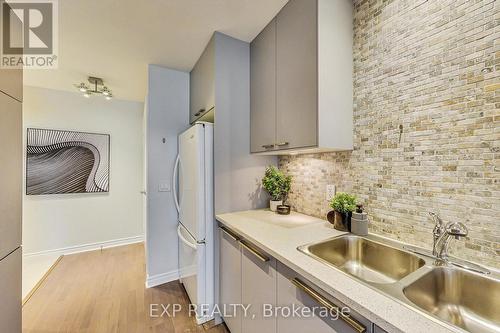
x=60, y=221
x=167, y=116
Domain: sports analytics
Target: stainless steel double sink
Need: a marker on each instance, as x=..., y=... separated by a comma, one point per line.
x=463, y=298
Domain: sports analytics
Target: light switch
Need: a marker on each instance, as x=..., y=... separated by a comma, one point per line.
x=164, y=187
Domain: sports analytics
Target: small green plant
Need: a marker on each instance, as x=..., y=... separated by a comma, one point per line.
x=343, y=202
x=276, y=183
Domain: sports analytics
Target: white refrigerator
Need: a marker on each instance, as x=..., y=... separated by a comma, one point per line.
x=193, y=194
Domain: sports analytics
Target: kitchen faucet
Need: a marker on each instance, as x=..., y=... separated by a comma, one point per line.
x=442, y=235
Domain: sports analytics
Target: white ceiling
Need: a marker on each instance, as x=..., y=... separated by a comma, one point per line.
x=117, y=39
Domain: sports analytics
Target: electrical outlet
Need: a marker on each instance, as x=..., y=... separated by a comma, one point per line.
x=330, y=191
x=164, y=187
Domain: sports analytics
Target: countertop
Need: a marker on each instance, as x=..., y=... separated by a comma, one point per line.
x=280, y=235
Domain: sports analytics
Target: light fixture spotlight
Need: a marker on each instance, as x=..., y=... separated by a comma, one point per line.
x=82, y=87
x=98, y=88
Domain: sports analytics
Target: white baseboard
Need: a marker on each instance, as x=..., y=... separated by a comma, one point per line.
x=88, y=247
x=156, y=280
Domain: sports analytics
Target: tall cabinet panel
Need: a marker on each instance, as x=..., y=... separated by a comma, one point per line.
x=263, y=89
x=11, y=175
x=11, y=162
x=297, y=75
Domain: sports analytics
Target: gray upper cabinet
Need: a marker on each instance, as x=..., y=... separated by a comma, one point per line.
x=302, y=63
x=202, y=84
x=263, y=89
x=296, y=75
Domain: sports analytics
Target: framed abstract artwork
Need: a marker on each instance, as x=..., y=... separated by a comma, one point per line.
x=59, y=162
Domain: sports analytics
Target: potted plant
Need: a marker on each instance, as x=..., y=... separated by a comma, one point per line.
x=343, y=205
x=277, y=185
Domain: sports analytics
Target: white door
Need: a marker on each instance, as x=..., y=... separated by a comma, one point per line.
x=191, y=169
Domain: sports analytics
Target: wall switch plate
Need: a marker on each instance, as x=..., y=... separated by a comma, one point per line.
x=330, y=191
x=164, y=187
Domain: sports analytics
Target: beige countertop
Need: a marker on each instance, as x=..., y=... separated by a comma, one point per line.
x=280, y=235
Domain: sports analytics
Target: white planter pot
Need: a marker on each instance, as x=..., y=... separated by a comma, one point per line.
x=273, y=204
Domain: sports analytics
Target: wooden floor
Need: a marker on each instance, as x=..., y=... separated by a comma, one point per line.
x=104, y=292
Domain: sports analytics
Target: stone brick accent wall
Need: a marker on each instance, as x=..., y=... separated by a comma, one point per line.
x=427, y=124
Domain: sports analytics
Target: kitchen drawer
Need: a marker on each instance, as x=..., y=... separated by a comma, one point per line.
x=377, y=329
x=293, y=289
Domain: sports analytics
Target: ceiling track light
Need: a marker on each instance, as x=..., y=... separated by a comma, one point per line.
x=96, y=87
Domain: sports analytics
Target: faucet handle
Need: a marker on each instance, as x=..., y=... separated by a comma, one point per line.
x=437, y=220
x=457, y=229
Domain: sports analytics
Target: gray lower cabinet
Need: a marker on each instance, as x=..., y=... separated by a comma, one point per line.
x=248, y=276
x=230, y=279
x=377, y=329
x=293, y=290
x=10, y=289
x=258, y=273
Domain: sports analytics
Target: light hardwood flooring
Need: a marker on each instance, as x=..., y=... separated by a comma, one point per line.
x=96, y=292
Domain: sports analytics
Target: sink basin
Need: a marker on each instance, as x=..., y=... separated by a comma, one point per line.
x=465, y=299
x=365, y=259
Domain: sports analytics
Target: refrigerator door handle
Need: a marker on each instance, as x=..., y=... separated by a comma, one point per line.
x=184, y=240
x=174, y=183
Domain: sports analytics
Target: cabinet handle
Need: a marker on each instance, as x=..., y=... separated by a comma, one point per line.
x=267, y=146
x=329, y=305
x=256, y=253
x=230, y=234
x=284, y=143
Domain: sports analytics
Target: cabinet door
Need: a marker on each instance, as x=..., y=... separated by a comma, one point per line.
x=202, y=83
x=263, y=90
x=258, y=289
x=289, y=295
x=11, y=162
x=297, y=75
x=10, y=289
x=230, y=280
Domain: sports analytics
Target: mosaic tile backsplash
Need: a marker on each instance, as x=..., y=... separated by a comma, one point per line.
x=427, y=125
